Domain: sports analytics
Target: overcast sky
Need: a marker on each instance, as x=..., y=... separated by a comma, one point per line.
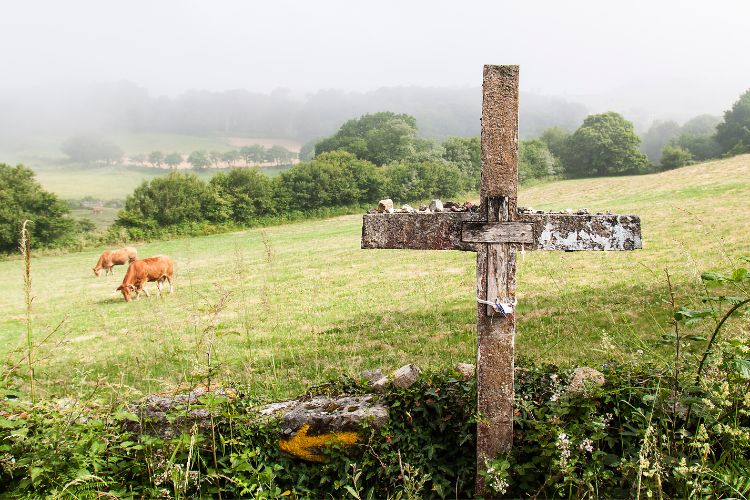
x=572, y=48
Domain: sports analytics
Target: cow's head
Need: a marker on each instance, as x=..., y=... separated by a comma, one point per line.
x=97, y=271
x=126, y=291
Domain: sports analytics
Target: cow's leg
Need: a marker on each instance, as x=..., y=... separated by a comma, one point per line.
x=145, y=291
x=171, y=287
x=158, y=287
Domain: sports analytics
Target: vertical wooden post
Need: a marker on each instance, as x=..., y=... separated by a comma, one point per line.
x=496, y=265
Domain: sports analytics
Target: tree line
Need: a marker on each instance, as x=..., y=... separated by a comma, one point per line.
x=94, y=150
x=182, y=203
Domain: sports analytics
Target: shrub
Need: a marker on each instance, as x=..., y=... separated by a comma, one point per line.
x=248, y=194
x=418, y=181
x=675, y=156
x=535, y=161
x=173, y=200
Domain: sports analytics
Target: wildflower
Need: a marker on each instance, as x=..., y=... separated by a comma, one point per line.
x=586, y=445
x=563, y=444
x=499, y=485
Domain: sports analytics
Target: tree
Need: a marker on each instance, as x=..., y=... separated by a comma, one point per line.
x=199, y=159
x=230, y=157
x=535, y=161
x=605, y=144
x=171, y=200
x=156, y=158
x=22, y=198
x=215, y=157
x=424, y=180
x=733, y=134
x=330, y=180
x=701, y=125
x=173, y=159
x=556, y=139
x=658, y=136
x=279, y=154
x=466, y=154
x=91, y=149
x=675, y=156
x=248, y=192
x=701, y=147
x=253, y=154
x=380, y=138
x=307, y=151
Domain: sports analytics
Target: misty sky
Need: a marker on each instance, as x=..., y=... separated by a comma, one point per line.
x=643, y=52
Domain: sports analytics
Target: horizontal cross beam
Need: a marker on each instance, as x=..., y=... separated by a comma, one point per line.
x=466, y=231
x=497, y=232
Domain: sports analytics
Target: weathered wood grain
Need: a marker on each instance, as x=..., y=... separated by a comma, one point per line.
x=416, y=231
x=498, y=232
x=448, y=231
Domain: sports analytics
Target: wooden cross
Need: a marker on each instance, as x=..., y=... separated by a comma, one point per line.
x=495, y=233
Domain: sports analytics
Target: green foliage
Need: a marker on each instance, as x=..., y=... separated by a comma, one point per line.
x=173, y=159
x=657, y=137
x=418, y=181
x=252, y=154
x=22, y=198
x=701, y=125
x=91, y=149
x=279, y=155
x=674, y=157
x=156, y=158
x=199, y=159
x=700, y=147
x=307, y=151
x=606, y=144
x=329, y=180
x=248, y=194
x=733, y=134
x=556, y=139
x=171, y=200
x=694, y=137
x=535, y=161
x=424, y=450
x=229, y=157
x=379, y=138
x=466, y=154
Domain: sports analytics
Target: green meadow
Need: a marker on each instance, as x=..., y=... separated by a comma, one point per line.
x=283, y=307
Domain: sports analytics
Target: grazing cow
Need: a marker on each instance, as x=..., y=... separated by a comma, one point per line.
x=108, y=260
x=158, y=268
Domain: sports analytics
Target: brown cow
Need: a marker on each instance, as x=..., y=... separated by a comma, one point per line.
x=107, y=260
x=158, y=268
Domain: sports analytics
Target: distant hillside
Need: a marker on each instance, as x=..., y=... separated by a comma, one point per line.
x=126, y=108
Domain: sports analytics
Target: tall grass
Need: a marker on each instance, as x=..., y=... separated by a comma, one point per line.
x=25, y=247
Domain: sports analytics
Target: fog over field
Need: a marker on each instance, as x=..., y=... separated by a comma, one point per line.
x=296, y=69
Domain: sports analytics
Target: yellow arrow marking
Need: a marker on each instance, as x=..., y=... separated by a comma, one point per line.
x=299, y=444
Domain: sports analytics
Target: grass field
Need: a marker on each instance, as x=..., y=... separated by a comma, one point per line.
x=105, y=183
x=288, y=306
x=109, y=183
